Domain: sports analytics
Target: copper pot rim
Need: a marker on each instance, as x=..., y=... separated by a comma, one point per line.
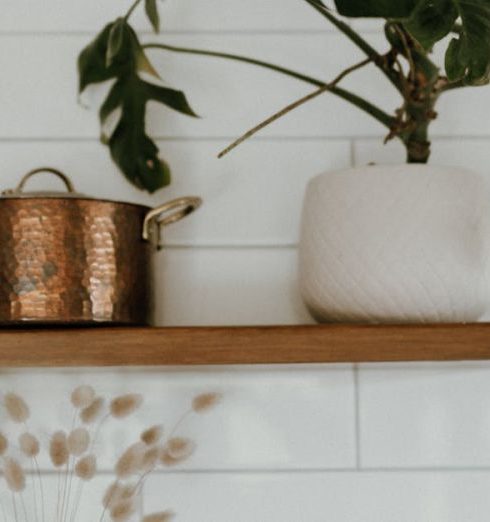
x=25, y=197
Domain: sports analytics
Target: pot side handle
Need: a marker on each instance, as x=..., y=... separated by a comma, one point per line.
x=162, y=216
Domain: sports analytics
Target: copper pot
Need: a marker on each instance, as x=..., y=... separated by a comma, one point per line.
x=66, y=258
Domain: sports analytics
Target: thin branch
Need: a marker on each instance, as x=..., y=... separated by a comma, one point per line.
x=131, y=9
x=293, y=106
x=362, y=104
x=408, y=52
x=377, y=58
x=238, y=58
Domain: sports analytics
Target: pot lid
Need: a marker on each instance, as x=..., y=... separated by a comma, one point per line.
x=19, y=192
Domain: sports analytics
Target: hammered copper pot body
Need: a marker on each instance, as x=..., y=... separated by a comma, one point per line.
x=71, y=260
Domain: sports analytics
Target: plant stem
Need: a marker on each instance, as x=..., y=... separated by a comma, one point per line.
x=237, y=58
x=362, y=104
x=131, y=9
x=293, y=106
x=378, y=59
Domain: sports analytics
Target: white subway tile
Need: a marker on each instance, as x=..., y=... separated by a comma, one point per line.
x=253, y=196
x=89, y=508
x=269, y=417
x=219, y=286
x=472, y=153
x=432, y=415
x=316, y=497
x=39, y=98
x=191, y=15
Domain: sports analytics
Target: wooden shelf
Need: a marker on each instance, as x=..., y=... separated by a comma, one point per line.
x=242, y=345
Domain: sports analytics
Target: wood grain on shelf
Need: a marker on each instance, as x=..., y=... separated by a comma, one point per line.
x=243, y=345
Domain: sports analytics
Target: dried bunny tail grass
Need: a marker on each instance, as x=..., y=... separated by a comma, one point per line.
x=86, y=467
x=78, y=441
x=124, y=405
x=163, y=516
x=149, y=459
x=82, y=396
x=16, y=407
x=58, y=449
x=112, y=495
x=117, y=492
x=122, y=510
x=205, y=401
x=130, y=461
x=91, y=413
x=176, y=451
x=29, y=445
x=152, y=435
x=14, y=475
x=180, y=447
x=166, y=459
x=4, y=444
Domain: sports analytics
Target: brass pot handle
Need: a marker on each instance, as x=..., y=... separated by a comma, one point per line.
x=66, y=180
x=159, y=217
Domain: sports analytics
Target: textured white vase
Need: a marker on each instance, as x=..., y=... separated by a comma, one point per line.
x=403, y=243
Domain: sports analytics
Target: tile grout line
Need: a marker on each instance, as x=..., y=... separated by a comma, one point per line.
x=299, y=471
x=189, y=32
x=351, y=138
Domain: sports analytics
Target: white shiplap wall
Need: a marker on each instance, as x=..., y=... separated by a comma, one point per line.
x=350, y=444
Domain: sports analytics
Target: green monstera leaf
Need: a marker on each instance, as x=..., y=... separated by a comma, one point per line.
x=116, y=54
x=376, y=8
x=468, y=55
x=428, y=21
x=131, y=148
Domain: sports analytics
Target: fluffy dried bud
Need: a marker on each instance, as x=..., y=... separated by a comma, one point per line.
x=29, y=445
x=16, y=407
x=124, y=405
x=152, y=435
x=78, y=441
x=86, y=467
x=164, y=516
x=82, y=397
x=58, y=449
x=91, y=413
x=205, y=402
x=176, y=451
x=4, y=444
x=122, y=510
x=130, y=461
x=112, y=495
x=14, y=475
x=180, y=448
x=149, y=460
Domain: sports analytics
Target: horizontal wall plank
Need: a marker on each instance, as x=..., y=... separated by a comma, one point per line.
x=90, y=506
x=470, y=153
x=343, y=497
x=253, y=197
x=228, y=287
x=268, y=418
x=190, y=15
x=425, y=415
x=39, y=99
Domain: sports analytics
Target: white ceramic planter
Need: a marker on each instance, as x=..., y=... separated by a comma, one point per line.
x=404, y=243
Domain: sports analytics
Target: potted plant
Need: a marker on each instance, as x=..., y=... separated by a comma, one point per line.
x=405, y=243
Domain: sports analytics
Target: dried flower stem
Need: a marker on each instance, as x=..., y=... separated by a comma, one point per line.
x=16, y=516
x=23, y=504
x=38, y=472
x=102, y=515
x=324, y=88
